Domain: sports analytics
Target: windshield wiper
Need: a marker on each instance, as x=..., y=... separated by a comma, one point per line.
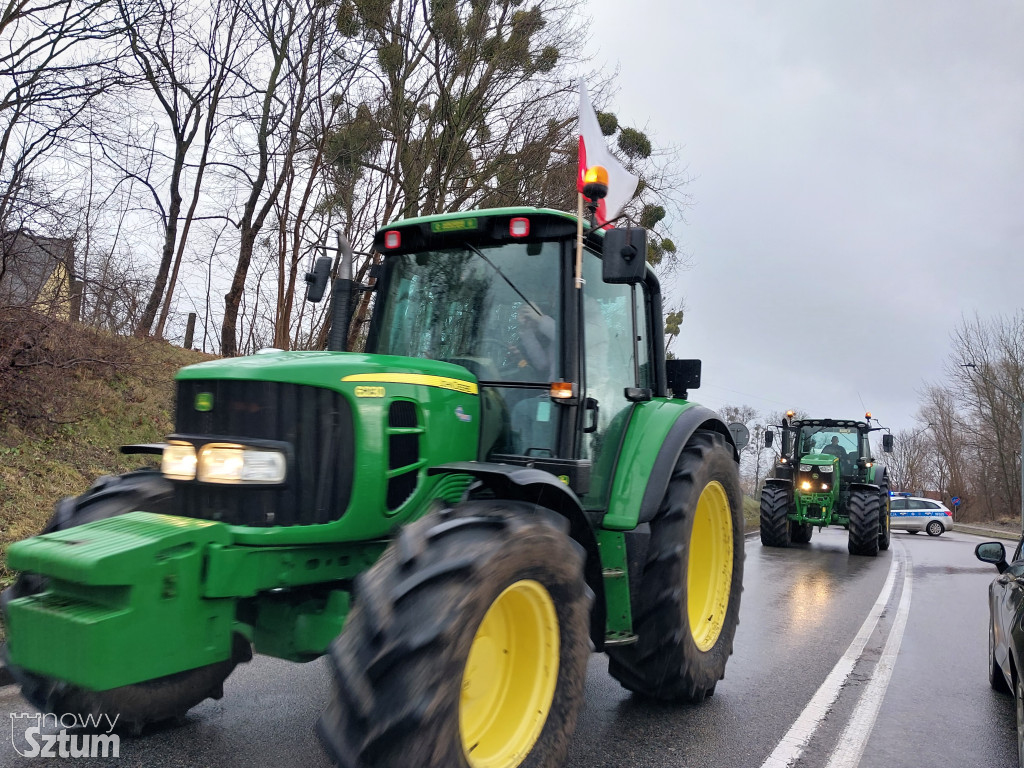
x=511, y=285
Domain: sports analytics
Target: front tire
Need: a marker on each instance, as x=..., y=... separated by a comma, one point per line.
x=864, y=508
x=467, y=646
x=995, y=674
x=934, y=528
x=688, y=603
x=884, y=532
x=800, y=533
x=775, y=530
x=138, y=704
x=1018, y=700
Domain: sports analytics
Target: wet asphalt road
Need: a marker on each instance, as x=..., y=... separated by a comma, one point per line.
x=802, y=608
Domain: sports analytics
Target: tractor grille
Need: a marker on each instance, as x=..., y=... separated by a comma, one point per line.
x=316, y=422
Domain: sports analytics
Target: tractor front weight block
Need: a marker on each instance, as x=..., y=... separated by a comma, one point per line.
x=124, y=602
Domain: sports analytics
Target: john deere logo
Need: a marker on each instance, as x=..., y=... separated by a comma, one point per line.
x=204, y=402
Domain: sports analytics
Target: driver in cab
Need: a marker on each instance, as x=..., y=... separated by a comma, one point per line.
x=835, y=449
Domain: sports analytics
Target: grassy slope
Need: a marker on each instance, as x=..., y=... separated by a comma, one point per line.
x=42, y=461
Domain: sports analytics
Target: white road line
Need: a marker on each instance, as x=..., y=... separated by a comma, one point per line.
x=851, y=744
x=799, y=734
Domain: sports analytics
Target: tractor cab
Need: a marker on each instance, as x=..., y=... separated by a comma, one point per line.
x=836, y=444
x=558, y=368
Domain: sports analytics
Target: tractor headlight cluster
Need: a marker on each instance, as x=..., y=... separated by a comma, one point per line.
x=179, y=461
x=226, y=463
x=825, y=468
x=805, y=467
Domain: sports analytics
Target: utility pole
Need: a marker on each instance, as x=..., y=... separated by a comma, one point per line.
x=1020, y=405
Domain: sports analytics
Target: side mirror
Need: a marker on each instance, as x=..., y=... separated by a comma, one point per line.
x=682, y=375
x=769, y=438
x=887, y=443
x=992, y=552
x=316, y=281
x=624, y=255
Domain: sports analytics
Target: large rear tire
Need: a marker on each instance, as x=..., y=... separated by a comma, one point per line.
x=775, y=530
x=687, y=608
x=467, y=646
x=864, y=508
x=139, y=704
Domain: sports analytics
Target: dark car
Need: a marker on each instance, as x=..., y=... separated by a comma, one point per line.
x=1005, y=636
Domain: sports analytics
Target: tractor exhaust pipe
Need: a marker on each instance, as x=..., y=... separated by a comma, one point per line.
x=341, y=298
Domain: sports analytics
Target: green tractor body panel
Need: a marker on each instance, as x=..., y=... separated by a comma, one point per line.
x=642, y=443
x=116, y=586
x=817, y=503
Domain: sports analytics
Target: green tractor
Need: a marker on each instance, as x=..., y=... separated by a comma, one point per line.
x=509, y=477
x=826, y=475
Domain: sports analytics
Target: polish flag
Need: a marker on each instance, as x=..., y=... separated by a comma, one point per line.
x=593, y=151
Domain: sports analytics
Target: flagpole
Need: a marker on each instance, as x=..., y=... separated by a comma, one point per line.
x=579, y=240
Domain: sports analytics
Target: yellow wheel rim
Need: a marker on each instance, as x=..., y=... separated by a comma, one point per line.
x=510, y=676
x=709, y=570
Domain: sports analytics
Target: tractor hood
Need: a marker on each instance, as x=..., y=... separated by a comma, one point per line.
x=330, y=369
x=350, y=433
x=818, y=459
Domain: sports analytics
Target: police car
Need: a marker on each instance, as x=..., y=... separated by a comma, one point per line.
x=913, y=513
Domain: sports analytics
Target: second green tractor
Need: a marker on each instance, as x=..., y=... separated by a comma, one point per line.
x=826, y=475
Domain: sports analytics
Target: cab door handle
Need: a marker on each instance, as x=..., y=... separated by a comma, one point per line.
x=594, y=409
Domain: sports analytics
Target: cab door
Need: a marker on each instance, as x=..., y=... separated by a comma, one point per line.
x=616, y=356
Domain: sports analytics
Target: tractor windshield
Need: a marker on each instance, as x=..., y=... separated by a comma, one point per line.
x=836, y=441
x=498, y=314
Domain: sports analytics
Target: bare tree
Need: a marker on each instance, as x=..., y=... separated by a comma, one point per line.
x=277, y=106
x=54, y=60
x=183, y=55
x=910, y=464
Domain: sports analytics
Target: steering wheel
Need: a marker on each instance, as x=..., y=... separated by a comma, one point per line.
x=493, y=348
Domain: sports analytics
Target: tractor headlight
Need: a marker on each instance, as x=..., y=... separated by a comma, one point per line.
x=236, y=464
x=824, y=486
x=179, y=461
x=806, y=486
x=825, y=468
x=805, y=467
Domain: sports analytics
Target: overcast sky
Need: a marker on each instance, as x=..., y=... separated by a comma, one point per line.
x=858, y=185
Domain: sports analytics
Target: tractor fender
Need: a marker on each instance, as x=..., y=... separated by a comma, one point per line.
x=864, y=487
x=878, y=475
x=689, y=421
x=779, y=482
x=535, y=486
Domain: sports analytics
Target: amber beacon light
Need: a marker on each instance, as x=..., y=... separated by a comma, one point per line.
x=595, y=183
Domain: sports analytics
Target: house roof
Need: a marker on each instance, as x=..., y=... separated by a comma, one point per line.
x=27, y=261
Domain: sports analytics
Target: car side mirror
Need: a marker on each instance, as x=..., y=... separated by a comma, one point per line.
x=887, y=443
x=624, y=255
x=769, y=438
x=992, y=552
x=316, y=281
